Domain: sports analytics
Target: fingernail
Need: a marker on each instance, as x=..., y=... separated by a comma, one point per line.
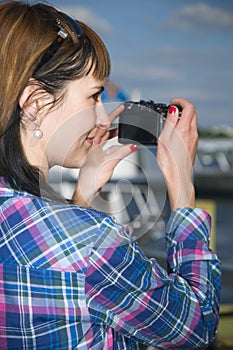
x=172, y=110
x=133, y=148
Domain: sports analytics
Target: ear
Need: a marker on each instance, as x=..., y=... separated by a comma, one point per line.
x=34, y=98
x=27, y=100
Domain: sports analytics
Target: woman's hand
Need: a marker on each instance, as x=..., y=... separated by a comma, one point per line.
x=100, y=163
x=176, y=153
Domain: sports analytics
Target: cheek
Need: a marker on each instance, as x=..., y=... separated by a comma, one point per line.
x=68, y=140
x=76, y=156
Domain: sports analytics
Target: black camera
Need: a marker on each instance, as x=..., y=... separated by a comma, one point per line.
x=142, y=122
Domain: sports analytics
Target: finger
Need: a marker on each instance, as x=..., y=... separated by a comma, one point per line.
x=104, y=135
x=121, y=151
x=188, y=115
x=194, y=121
x=187, y=125
x=115, y=154
x=111, y=133
x=115, y=113
x=100, y=133
x=105, y=138
x=170, y=124
x=173, y=115
x=180, y=101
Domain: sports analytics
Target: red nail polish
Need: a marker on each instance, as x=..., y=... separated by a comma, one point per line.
x=133, y=148
x=172, y=110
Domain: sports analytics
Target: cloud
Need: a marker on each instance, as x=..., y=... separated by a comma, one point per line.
x=150, y=72
x=202, y=16
x=87, y=16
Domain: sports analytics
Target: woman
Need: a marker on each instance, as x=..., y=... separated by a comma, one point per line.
x=71, y=277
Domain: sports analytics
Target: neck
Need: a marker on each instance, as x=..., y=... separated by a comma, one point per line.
x=34, y=152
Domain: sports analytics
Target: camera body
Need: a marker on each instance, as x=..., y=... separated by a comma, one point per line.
x=142, y=122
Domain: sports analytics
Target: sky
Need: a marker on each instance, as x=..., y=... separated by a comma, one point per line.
x=161, y=49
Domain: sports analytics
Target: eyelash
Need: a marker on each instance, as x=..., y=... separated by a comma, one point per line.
x=96, y=96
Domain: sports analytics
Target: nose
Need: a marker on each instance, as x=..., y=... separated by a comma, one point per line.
x=102, y=118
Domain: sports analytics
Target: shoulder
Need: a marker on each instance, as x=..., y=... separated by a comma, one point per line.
x=18, y=206
x=60, y=218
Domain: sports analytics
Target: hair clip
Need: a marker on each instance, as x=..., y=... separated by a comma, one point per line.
x=62, y=31
x=61, y=36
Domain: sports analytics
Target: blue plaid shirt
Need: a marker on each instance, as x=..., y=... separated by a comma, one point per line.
x=72, y=278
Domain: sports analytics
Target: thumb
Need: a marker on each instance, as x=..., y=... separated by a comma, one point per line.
x=170, y=123
x=173, y=115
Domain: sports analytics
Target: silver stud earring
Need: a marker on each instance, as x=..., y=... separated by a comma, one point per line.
x=37, y=133
x=29, y=118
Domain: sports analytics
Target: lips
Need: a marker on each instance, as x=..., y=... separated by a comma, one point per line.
x=90, y=137
x=90, y=140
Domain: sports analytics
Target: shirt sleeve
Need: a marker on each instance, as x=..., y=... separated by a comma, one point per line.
x=173, y=309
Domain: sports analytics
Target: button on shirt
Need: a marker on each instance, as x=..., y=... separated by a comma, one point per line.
x=72, y=278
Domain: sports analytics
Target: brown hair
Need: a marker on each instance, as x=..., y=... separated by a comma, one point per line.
x=26, y=31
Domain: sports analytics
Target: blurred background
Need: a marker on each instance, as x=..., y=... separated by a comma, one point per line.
x=168, y=48
x=162, y=49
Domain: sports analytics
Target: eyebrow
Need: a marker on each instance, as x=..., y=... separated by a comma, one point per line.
x=99, y=88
